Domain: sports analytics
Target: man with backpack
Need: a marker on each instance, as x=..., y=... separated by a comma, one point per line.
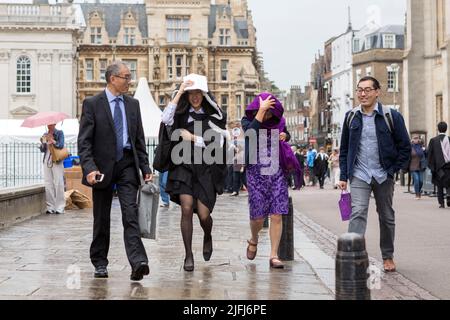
x=375, y=146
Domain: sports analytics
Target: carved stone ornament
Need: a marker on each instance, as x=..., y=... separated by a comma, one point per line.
x=5, y=55
x=45, y=56
x=23, y=111
x=156, y=73
x=65, y=57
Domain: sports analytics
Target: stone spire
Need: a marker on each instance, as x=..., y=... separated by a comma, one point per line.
x=350, y=27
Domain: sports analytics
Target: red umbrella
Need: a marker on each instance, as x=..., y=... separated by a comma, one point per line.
x=44, y=119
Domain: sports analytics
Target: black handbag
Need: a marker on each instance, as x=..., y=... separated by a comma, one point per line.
x=161, y=161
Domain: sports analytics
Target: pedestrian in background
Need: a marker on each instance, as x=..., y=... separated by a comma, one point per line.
x=439, y=163
x=334, y=168
x=268, y=193
x=321, y=167
x=418, y=165
x=53, y=171
x=165, y=198
x=238, y=168
x=310, y=158
x=301, y=157
x=374, y=146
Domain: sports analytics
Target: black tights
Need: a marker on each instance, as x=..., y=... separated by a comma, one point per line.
x=187, y=212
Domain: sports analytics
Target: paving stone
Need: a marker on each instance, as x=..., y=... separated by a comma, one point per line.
x=35, y=259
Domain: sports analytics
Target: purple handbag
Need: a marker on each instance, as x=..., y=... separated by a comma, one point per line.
x=345, y=205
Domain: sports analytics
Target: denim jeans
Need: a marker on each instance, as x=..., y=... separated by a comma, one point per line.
x=418, y=181
x=384, y=194
x=162, y=187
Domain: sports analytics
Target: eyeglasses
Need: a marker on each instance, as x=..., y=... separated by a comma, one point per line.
x=128, y=78
x=365, y=90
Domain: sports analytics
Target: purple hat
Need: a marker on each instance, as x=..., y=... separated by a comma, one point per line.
x=277, y=111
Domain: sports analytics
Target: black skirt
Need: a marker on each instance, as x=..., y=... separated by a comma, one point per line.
x=194, y=180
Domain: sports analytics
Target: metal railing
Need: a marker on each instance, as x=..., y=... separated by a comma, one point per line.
x=21, y=164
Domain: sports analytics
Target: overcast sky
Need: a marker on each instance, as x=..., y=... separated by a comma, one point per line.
x=290, y=32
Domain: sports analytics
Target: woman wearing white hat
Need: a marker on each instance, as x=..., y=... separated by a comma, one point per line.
x=195, y=186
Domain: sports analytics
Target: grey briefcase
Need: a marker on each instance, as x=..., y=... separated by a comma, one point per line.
x=148, y=202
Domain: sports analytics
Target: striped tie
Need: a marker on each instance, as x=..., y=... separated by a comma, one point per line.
x=118, y=126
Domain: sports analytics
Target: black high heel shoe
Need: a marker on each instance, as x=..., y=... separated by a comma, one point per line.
x=189, y=264
x=207, y=247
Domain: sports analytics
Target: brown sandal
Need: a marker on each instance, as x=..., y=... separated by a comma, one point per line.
x=276, y=263
x=389, y=266
x=251, y=255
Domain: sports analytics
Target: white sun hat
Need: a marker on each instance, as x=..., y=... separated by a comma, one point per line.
x=200, y=82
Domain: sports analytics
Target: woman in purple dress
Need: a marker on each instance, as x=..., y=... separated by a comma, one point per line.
x=267, y=180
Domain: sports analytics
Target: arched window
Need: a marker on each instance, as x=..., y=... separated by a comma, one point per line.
x=23, y=77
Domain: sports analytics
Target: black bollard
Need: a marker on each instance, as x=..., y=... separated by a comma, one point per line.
x=286, y=248
x=352, y=265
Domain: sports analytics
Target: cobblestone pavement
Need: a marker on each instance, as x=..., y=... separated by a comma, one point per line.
x=48, y=258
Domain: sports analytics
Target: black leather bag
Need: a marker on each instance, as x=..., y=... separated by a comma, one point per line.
x=161, y=161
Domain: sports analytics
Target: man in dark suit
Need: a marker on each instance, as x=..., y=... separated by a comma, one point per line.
x=111, y=142
x=439, y=163
x=321, y=167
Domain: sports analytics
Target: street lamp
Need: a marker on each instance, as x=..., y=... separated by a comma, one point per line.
x=395, y=68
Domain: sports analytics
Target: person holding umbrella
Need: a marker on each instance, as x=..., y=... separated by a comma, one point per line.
x=53, y=171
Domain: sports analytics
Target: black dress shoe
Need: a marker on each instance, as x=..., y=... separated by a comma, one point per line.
x=441, y=206
x=189, y=264
x=49, y=212
x=207, y=247
x=101, y=272
x=141, y=271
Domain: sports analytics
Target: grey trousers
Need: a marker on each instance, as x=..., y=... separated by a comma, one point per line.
x=384, y=194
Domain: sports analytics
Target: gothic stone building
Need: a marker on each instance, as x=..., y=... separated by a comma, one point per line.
x=166, y=40
x=113, y=32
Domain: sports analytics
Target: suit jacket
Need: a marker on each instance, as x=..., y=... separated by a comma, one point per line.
x=321, y=165
x=97, y=138
x=436, y=161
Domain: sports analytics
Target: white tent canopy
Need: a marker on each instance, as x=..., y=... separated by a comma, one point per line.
x=11, y=131
x=150, y=113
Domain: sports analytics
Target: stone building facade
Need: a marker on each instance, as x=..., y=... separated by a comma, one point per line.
x=37, y=58
x=217, y=41
x=380, y=55
x=427, y=66
x=342, y=81
x=167, y=40
x=113, y=32
x=293, y=105
x=64, y=52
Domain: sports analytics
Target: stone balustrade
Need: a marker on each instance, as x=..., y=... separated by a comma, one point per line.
x=36, y=14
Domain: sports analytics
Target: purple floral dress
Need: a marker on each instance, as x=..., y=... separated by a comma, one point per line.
x=268, y=194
